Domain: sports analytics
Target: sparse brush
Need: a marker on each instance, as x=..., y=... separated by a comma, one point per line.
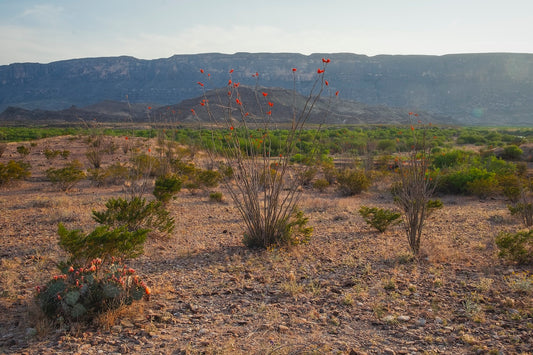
x=166, y=187
x=13, y=171
x=516, y=246
x=68, y=176
x=352, y=182
x=379, y=218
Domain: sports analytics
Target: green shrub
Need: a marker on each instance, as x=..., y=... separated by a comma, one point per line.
x=23, y=150
x=13, y=171
x=51, y=154
x=82, y=293
x=67, y=176
x=112, y=175
x=208, y=178
x=145, y=165
x=524, y=210
x=216, y=196
x=483, y=187
x=166, y=187
x=512, y=152
x=103, y=242
x=379, y=218
x=456, y=182
x=516, y=246
x=511, y=186
x=321, y=184
x=135, y=214
x=352, y=182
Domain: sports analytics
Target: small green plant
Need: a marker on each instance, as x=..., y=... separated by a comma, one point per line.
x=135, y=214
x=82, y=293
x=23, y=150
x=13, y=171
x=321, y=184
x=512, y=152
x=65, y=178
x=103, y=242
x=379, y=218
x=166, y=187
x=51, y=154
x=114, y=174
x=352, y=182
x=216, y=196
x=517, y=246
x=208, y=178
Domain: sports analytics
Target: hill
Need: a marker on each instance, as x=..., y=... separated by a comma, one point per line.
x=488, y=89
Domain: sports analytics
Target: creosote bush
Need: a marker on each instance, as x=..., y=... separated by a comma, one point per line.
x=103, y=242
x=68, y=176
x=517, y=246
x=166, y=187
x=13, y=171
x=379, y=218
x=352, y=182
x=135, y=214
x=81, y=293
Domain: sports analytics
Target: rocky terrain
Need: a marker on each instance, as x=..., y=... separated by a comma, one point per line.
x=351, y=290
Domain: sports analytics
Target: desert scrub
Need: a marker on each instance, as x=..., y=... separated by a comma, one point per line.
x=82, y=293
x=134, y=214
x=166, y=187
x=379, y=218
x=114, y=174
x=68, y=176
x=103, y=242
x=321, y=184
x=216, y=196
x=516, y=247
x=13, y=171
x=352, y=182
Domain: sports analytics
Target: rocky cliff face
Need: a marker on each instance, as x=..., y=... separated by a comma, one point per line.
x=470, y=88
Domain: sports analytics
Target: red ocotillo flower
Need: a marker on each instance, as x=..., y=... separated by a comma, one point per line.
x=201, y=71
x=320, y=71
x=270, y=104
x=265, y=94
x=199, y=83
x=293, y=70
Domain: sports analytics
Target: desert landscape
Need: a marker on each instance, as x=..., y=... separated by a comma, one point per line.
x=350, y=290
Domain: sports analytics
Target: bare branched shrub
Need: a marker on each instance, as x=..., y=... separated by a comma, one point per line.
x=523, y=207
x=415, y=186
x=264, y=187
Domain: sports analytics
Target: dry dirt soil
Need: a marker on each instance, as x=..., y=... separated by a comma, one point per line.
x=351, y=290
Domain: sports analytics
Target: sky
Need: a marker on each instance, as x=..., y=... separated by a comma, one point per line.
x=47, y=31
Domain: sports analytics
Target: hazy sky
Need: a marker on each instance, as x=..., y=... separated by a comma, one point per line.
x=45, y=31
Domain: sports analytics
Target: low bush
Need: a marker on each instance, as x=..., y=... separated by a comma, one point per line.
x=516, y=247
x=82, y=293
x=103, y=242
x=166, y=187
x=321, y=184
x=216, y=196
x=352, y=182
x=112, y=175
x=68, y=176
x=135, y=214
x=13, y=171
x=379, y=218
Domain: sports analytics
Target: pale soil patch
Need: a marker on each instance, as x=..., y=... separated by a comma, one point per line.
x=351, y=289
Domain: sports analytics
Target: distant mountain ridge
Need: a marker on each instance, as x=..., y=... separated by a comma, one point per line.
x=487, y=89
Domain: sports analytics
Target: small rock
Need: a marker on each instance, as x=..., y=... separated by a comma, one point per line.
x=404, y=318
x=283, y=328
x=421, y=322
x=389, y=351
x=390, y=318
